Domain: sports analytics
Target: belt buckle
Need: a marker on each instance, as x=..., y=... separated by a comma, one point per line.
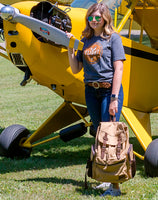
x=95, y=85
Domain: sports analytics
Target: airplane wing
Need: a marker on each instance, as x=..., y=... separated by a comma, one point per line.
x=145, y=14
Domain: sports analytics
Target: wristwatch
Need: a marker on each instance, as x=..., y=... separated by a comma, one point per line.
x=114, y=97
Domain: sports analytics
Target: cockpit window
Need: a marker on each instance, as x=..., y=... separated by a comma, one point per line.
x=112, y=4
x=83, y=3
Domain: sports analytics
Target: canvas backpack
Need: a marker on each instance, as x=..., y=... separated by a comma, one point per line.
x=111, y=159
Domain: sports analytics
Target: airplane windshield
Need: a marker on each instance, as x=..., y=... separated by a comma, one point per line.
x=112, y=4
x=83, y=3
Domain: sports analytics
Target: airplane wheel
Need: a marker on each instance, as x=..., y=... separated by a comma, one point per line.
x=10, y=139
x=151, y=159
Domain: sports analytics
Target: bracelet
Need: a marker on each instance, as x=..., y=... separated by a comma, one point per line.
x=71, y=51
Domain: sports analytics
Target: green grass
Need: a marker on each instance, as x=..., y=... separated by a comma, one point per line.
x=55, y=170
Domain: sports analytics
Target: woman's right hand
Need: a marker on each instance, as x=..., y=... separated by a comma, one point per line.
x=69, y=35
x=75, y=65
x=70, y=50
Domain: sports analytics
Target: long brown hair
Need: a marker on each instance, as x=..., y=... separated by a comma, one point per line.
x=88, y=32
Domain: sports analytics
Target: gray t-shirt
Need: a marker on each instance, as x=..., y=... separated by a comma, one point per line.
x=98, y=55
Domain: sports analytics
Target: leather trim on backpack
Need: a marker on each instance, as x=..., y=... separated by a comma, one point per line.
x=104, y=146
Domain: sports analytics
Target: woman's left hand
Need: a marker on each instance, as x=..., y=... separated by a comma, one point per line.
x=113, y=107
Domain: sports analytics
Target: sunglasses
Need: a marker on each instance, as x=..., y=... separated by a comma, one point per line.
x=97, y=18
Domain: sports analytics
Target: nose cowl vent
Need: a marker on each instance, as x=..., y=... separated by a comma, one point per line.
x=18, y=59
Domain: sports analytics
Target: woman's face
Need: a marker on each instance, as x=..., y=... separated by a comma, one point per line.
x=96, y=21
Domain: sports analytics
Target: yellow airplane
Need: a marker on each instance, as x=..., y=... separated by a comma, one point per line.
x=36, y=43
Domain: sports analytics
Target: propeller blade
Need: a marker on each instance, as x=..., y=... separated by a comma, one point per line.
x=45, y=30
x=1, y=6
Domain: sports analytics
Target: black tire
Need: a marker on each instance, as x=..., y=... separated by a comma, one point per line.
x=151, y=159
x=10, y=139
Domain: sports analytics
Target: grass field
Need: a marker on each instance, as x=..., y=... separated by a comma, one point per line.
x=55, y=170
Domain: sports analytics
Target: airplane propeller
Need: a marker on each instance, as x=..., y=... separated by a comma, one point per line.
x=47, y=31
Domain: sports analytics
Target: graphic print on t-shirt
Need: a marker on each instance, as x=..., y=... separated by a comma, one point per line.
x=93, y=53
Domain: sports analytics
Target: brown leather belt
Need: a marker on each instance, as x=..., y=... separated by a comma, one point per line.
x=98, y=85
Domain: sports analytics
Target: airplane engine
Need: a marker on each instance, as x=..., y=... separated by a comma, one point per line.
x=52, y=15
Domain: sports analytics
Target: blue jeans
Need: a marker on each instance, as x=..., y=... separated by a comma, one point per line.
x=97, y=101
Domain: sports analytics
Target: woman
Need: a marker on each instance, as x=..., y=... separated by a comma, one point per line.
x=102, y=59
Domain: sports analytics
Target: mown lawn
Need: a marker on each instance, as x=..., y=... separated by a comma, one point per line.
x=55, y=170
